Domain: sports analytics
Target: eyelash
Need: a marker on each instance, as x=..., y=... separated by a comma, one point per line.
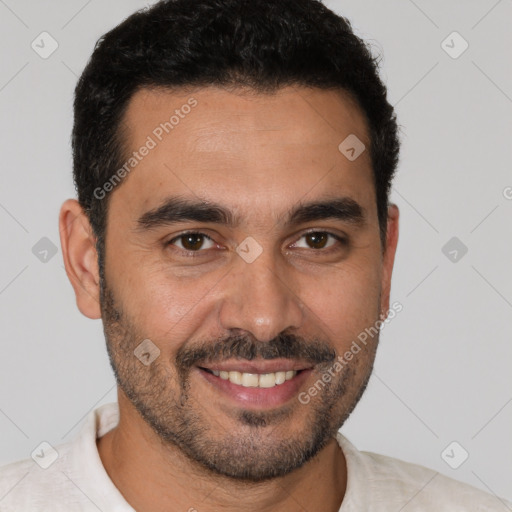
x=343, y=241
x=191, y=254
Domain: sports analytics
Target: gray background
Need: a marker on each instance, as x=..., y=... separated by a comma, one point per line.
x=443, y=369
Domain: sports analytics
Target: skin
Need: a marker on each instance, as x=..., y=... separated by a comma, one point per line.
x=258, y=156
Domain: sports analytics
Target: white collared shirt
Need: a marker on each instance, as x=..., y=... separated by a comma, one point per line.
x=77, y=481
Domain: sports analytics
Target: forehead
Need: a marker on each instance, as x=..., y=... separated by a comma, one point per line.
x=242, y=149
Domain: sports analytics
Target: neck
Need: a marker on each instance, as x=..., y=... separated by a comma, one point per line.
x=156, y=477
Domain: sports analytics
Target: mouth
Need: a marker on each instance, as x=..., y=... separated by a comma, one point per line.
x=257, y=384
x=255, y=380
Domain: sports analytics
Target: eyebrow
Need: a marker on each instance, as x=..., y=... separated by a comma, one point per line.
x=177, y=209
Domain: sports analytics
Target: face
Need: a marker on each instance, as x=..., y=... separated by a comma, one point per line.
x=244, y=248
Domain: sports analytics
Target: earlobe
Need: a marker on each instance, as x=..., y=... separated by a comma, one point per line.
x=80, y=257
x=389, y=256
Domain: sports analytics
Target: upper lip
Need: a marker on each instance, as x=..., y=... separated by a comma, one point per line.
x=257, y=366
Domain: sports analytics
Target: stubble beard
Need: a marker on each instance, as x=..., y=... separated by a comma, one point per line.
x=250, y=453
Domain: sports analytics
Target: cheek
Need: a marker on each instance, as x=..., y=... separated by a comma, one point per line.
x=345, y=301
x=166, y=307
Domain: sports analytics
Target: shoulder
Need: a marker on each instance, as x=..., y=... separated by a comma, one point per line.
x=26, y=486
x=410, y=487
x=67, y=477
x=13, y=474
x=426, y=489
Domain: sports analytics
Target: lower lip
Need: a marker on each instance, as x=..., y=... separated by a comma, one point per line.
x=258, y=398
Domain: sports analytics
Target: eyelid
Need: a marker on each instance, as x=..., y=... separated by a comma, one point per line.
x=190, y=232
x=341, y=238
x=328, y=230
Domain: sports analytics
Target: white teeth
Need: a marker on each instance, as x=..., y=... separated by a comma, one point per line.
x=280, y=377
x=250, y=380
x=267, y=380
x=235, y=377
x=255, y=380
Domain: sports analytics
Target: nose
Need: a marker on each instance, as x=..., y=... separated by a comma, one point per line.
x=260, y=300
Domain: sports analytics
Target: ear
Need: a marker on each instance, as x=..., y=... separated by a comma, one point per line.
x=80, y=257
x=389, y=257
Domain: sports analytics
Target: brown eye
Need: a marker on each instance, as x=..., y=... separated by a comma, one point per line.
x=193, y=242
x=317, y=240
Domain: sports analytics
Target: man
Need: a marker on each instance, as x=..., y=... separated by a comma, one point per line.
x=233, y=162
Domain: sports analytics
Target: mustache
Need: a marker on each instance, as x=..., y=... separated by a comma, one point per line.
x=286, y=346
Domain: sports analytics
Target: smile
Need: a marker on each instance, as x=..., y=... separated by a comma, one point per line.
x=255, y=380
x=258, y=383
